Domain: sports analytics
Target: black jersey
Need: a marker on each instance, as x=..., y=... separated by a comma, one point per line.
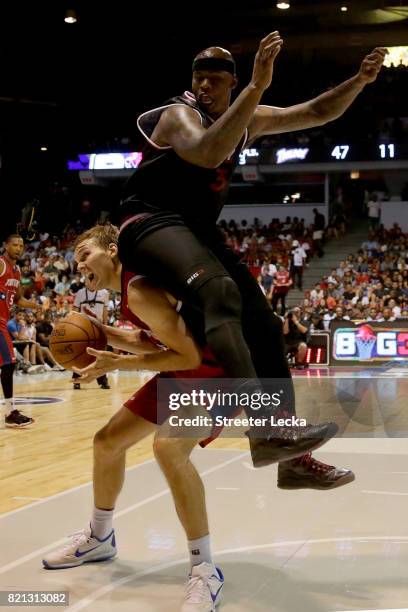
x=164, y=182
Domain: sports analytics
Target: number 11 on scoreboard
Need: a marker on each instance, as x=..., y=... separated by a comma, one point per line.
x=387, y=150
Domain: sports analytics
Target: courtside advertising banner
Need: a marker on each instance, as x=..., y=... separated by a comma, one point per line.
x=371, y=343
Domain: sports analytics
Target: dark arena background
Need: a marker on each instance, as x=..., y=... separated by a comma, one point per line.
x=317, y=213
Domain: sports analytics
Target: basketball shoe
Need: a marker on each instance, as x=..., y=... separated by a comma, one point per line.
x=82, y=547
x=18, y=419
x=286, y=443
x=204, y=588
x=308, y=473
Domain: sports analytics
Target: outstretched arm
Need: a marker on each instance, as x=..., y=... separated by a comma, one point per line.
x=326, y=107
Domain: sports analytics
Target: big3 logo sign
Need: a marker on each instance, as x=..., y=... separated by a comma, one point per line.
x=373, y=342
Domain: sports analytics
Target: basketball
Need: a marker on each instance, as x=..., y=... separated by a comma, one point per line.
x=71, y=337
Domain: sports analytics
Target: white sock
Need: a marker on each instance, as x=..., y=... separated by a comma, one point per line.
x=101, y=522
x=8, y=406
x=200, y=551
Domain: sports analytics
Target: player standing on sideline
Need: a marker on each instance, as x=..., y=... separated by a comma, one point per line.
x=96, y=301
x=172, y=202
x=10, y=294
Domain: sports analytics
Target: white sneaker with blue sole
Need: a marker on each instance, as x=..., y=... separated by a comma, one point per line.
x=204, y=588
x=82, y=547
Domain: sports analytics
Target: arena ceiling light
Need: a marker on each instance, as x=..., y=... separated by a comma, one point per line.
x=344, y=9
x=283, y=5
x=70, y=16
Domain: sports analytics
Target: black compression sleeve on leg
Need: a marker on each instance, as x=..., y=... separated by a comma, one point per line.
x=220, y=301
x=6, y=377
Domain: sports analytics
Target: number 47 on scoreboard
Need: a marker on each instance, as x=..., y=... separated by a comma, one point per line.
x=340, y=151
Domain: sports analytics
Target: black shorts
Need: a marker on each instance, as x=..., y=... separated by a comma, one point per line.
x=161, y=247
x=145, y=219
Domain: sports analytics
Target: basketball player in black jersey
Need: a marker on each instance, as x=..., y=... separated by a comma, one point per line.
x=173, y=199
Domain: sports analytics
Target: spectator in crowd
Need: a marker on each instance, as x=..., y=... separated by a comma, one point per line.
x=339, y=315
x=280, y=288
x=372, y=314
x=42, y=353
x=316, y=323
x=268, y=271
x=298, y=262
x=386, y=315
x=18, y=331
x=316, y=294
x=319, y=224
x=374, y=211
x=63, y=287
x=295, y=333
x=76, y=284
x=44, y=328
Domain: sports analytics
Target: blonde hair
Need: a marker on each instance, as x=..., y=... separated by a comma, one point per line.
x=102, y=235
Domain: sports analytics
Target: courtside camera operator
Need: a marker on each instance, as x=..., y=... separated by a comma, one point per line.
x=296, y=332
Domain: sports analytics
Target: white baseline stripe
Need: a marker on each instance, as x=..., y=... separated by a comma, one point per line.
x=382, y=610
x=83, y=603
x=40, y=551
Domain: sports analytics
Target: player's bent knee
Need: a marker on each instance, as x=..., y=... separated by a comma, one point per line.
x=164, y=448
x=106, y=443
x=101, y=440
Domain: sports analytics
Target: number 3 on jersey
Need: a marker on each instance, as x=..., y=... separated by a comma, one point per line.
x=222, y=177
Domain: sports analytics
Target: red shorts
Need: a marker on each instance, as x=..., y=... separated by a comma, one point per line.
x=6, y=348
x=144, y=401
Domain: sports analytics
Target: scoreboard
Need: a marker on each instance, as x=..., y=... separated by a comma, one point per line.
x=336, y=152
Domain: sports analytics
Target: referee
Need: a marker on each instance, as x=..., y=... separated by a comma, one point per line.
x=97, y=301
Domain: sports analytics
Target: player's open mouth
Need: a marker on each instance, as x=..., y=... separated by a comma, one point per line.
x=205, y=99
x=91, y=281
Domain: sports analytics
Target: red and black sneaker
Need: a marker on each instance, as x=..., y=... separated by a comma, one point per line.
x=17, y=419
x=307, y=473
x=286, y=443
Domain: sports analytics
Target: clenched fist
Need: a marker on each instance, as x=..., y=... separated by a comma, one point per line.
x=372, y=64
